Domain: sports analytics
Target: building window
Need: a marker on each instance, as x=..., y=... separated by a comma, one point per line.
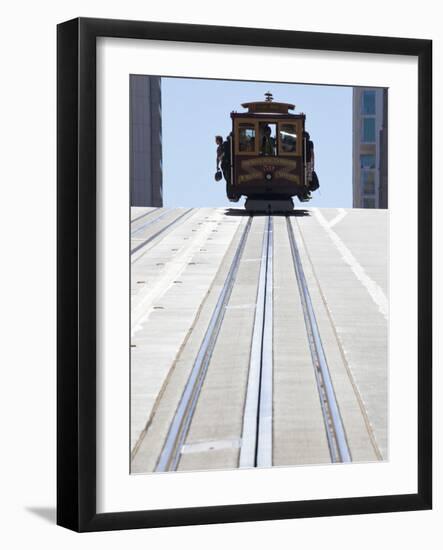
x=368, y=102
x=368, y=182
x=368, y=130
x=367, y=161
x=369, y=203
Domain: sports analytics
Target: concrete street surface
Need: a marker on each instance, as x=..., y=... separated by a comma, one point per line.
x=179, y=262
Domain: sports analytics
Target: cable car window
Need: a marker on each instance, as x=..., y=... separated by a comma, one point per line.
x=288, y=138
x=246, y=138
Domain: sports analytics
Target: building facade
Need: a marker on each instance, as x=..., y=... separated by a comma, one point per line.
x=370, y=148
x=145, y=141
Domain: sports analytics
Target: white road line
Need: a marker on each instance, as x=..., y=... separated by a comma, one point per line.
x=144, y=301
x=342, y=213
x=374, y=290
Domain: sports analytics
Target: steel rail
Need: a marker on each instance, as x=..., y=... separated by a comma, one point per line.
x=150, y=222
x=335, y=431
x=162, y=230
x=171, y=452
x=145, y=214
x=256, y=448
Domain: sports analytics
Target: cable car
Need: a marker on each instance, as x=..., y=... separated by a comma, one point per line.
x=271, y=157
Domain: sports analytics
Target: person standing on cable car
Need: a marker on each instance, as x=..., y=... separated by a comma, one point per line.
x=313, y=182
x=268, y=143
x=226, y=159
x=223, y=158
x=219, y=143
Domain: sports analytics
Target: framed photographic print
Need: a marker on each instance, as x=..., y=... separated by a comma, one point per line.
x=244, y=274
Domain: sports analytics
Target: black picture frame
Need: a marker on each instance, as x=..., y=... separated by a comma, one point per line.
x=76, y=265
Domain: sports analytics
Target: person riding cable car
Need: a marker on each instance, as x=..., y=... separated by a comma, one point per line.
x=223, y=158
x=313, y=182
x=268, y=142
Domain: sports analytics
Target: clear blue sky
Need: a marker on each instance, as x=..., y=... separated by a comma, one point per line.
x=194, y=111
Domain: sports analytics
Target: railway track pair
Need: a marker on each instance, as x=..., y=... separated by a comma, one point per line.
x=257, y=433
x=150, y=222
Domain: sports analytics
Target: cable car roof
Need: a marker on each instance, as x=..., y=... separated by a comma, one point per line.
x=268, y=106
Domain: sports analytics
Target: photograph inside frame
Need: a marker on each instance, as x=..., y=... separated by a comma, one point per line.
x=259, y=254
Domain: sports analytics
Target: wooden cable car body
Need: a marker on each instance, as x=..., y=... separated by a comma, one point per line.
x=268, y=153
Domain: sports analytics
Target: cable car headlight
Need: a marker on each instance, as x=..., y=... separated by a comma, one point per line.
x=268, y=176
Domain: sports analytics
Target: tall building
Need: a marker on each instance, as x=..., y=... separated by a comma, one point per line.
x=145, y=141
x=370, y=148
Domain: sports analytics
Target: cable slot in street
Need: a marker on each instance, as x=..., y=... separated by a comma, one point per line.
x=256, y=449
